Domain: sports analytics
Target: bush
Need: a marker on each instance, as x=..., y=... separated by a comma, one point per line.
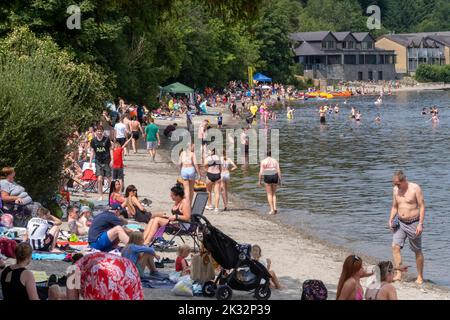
x=38, y=107
x=433, y=73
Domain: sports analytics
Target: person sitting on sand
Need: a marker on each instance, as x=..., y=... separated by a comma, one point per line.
x=386, y=291
x=181, y=264
x=107, y=230
x=42, y=231
x=135, y=208
x=142, y=256
x=79, y=222
x=181, y=212
x=115, y=195
x=349, y=286
x=256, y=255
x=18, y=283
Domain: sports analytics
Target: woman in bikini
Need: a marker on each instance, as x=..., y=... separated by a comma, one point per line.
x=189, y=170
x=271, y=174
x=135, y=208
x=213, y=169
x=181, y=211
x=228, y=166
x=349, y=286
x=115, y=195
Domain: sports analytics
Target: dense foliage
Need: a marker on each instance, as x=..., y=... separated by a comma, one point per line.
x=433, y=73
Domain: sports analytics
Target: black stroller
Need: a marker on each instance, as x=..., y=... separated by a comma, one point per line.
x=239, y=271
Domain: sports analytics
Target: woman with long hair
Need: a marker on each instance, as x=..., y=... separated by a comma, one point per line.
x=115, y=195
x=134, y=207
x=228, y=166
x=349, y=286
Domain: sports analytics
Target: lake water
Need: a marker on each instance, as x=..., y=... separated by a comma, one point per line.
x=337, y=177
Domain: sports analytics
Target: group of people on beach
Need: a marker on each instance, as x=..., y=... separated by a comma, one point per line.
x=102, y=150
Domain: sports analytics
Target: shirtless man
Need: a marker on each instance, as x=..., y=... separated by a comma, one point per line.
x=136, y=128
x=409, y=206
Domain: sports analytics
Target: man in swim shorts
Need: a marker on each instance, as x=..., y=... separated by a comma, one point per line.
x=409, y=207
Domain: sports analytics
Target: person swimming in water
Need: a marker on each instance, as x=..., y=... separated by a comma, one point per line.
x=322, y=113
x=358, y=116
x=353, y=113
x=378, y=118
x=290, y=113
x=336, y=109
x=424, y=111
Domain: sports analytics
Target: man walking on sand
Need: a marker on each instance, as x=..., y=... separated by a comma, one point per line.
x=409, y=207
x=152, y=136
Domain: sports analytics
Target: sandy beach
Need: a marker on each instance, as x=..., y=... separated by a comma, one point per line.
x=295, y=255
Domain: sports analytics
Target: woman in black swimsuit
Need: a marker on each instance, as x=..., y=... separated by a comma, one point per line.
x=213, y=173
x=18, y=283
x=181, y=211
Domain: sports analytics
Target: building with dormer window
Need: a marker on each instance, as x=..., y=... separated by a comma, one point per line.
x=342, y=56
x=414, y=49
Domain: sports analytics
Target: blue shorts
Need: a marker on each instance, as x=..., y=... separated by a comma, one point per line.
x=188, y=173
x=103, y=243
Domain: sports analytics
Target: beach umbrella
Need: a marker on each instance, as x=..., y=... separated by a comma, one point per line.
x=106, y=276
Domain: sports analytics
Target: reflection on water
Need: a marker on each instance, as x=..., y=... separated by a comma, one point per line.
x=337, y=177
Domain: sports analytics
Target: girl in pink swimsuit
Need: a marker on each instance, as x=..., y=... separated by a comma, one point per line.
x=349, y=286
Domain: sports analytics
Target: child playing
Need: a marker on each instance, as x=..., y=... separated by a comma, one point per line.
x=256, y=255
x=142, y=256
x=117, y=168
x=181, y=265
x=220, y=120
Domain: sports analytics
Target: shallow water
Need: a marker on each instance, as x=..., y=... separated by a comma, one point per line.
x=337, y=177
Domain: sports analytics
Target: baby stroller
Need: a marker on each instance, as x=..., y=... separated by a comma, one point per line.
x=238, y=270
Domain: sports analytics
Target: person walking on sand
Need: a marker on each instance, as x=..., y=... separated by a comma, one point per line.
x=271, y=173
x=101, y=149
x=136, y=129
x=152, y=137
x=409, y=206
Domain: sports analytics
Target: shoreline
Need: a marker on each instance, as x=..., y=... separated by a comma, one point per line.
x=334, y=250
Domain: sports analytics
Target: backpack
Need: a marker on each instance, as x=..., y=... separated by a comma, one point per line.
x=8, y=247
x=314, y=290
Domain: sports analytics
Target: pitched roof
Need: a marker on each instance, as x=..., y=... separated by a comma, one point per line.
x=308, y=49
x=360, y=36
x=340, y=36
x=414, y=39
x=310, y=36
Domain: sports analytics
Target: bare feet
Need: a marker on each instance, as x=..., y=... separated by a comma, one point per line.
x=419, y=281
x=271, y=213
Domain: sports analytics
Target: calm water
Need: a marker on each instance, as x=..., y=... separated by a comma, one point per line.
x=337, y=178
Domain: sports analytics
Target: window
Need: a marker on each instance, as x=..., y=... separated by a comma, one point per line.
x=324, y=45
x=367, y=45
x=330, y=44
x=351, y=44
x=361, y=59
x=371, y=59
x=382, y=59
x=370, y=75
x=334, y=60
x=350, y=59
x=380, y=75
x=360, y=76
x=344, y=45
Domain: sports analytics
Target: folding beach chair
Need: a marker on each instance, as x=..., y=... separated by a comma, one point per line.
x=180, y=229
x=91, y=179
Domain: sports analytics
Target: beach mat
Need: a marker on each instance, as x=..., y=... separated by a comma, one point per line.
x=48, y=256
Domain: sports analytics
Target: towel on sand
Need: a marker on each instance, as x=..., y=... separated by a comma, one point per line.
x=48, y=256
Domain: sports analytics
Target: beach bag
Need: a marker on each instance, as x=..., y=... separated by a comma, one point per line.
x=202, y=269
x=8, y=247
x=6, y=220
x=314, y=290
x=183, y=287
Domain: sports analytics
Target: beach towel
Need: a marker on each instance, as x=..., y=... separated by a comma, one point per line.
x=40, y=276
x=135, y=227
x=48, y=256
